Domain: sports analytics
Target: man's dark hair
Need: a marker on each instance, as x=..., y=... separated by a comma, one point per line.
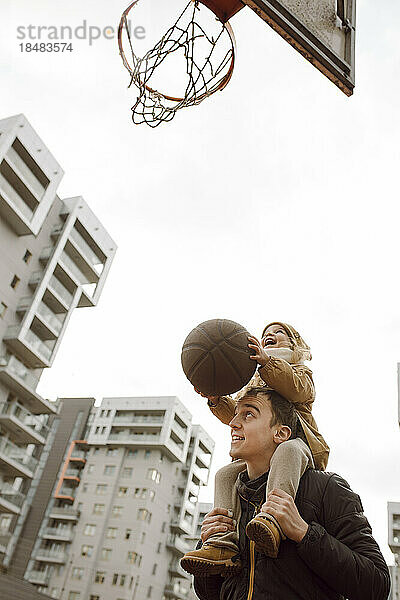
x=283, y=412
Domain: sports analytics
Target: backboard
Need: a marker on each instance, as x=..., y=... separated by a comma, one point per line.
x=323, y=31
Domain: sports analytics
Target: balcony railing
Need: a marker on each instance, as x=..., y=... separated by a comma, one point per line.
x=8, y=192
x=49, y=317
x=38, y=577
x=78, y=454
x=56, y=555
x=8, y=493
x=72, y=473
x=64, y=533
x=86, y=250
x=5, y=537
x=16, y=367
x=60, y=290
x=64, y=512
x=130, y=418
x=124, y=437
x=18, y=455
x=25, y=417
x=38, y=345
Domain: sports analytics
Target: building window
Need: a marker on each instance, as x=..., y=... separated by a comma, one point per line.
x=144, y=492
x=123, y=491
x=77, y=573
x=159, y=548
x=94, y=597
x=152, y=495
x=96, y=450
x=86, y=550
x=143, y=537
x=109, y=470
x=14, y=282
x=98, y=509
x=152, y=474
x=137, y=492
x=117, y=511
x=122, y=580
x=133, y=558
x=131, y=453
x=105, y=554
x=84, y=488
x=128, y=534
x=111, y=532
x=149, y=590
x=74, y=595
x=154, y=569
x=100, y=577
x=115, y=579
x=27, y=257
x=89, y=529
x=3, y=309
x=163, y=527
x=127, y=472
x=101, y=489
x=90, y=469
x=143, y=515
x=112, y=451
x=147, y=453
x=131, y=583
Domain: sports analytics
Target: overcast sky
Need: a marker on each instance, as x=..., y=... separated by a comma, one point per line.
x=276, y=199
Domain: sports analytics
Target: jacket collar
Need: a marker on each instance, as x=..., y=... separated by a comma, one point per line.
x=253, y=490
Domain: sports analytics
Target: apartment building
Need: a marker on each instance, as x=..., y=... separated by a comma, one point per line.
x=55, y=257
x=394, y=544
x=131, y=486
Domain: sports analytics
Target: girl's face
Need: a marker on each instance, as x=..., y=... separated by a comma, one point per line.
x=276, y=337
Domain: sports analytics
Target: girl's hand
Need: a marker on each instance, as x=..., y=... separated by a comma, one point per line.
x=259, y=353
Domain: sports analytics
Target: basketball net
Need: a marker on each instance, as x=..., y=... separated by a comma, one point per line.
x=207, y=72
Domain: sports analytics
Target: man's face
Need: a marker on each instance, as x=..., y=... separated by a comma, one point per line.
x=276, y=336
x=252, y=434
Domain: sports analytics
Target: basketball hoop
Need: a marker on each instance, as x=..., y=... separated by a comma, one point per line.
x=205, y=75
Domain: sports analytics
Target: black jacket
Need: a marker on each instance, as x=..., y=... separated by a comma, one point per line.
x=338, y=557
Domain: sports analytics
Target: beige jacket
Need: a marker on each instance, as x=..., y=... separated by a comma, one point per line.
x=295, y=383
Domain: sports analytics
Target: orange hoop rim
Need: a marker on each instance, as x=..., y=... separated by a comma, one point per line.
x=222, y=83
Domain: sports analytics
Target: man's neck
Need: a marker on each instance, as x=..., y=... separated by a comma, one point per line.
x=255, y=470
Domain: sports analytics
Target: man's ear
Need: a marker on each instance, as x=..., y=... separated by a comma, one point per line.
x=282, y=434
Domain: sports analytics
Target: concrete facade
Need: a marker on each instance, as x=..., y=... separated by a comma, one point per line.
x=394, y=544
x=55, y=257
x=135, y=504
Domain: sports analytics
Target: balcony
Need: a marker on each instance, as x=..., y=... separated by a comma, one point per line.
x=15, y=461
x=175, y=570
x=131, y=419
x=67, y=494
x=180, y=527
x=5, y=537
x=22, y=382
x=38, y=577
x=126, y=438
x=177, y=545
x=57, y=296
x=86, y=259
x=62, y=534
x=176, y=591
x=13, y=207
x=64, y=513
x=55, y=556
x=30, y=347
x=51, y=325
x=11, y=500
x=24, y=426
x=72, y=477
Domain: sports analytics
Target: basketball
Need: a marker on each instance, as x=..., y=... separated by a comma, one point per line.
x=216, y=358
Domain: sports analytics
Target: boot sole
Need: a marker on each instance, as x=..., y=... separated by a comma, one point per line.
x=203, y=567
x=264, y=540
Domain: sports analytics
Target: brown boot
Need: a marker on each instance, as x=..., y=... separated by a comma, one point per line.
x=211, y=560
x=267, y=534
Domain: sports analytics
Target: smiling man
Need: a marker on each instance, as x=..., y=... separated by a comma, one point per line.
x=329, y=552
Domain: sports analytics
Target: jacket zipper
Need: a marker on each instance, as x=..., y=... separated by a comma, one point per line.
x=252, y=552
